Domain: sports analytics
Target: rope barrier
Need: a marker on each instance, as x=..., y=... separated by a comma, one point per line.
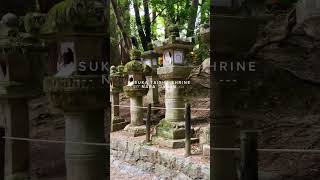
x=272, y=150
x=53, y=141
x=162, y=108
x=108, y=145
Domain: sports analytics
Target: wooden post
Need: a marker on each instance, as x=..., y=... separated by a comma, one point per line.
x=148, y=124
x=188, y=130
x=249, y=155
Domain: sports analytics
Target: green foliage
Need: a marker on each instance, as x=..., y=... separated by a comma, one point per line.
x=201, y=53
x=133, y=67
x=163, y=14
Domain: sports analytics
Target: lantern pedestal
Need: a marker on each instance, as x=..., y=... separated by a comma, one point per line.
x=136, y=93
x=153, y=93
x=117, y=122
x=205, y=140
x=82, y=99
x=15, y=120
x=150, y=58
x=170, y=132
x=116, y=75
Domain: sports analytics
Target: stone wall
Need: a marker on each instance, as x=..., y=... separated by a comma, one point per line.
x=163, y=163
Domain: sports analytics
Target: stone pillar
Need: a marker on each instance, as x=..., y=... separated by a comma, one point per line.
x=174, y=99
x=136, y=72
x=153, y=93
x=150, y=58
x=170, y=132
x=84, y=162
x=83, y=100
x=136, y=112
x=205, y=141
x=16, y=117
x=117, y=123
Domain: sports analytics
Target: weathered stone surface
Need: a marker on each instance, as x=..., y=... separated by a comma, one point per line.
x=173, y=72
x=153, y=93
x=135, y=130
x=76, y=93
x=171, y=143
x=163, y=163
x=206, y=150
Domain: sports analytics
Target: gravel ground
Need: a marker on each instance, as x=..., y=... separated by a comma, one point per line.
x=121, y=170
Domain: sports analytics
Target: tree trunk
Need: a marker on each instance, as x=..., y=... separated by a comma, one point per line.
x=203, y=12
x=193, y=18
x=125, y=36
x=139, y=25
x=147, y=21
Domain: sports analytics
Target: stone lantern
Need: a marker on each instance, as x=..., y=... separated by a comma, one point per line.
x=170, y=132
x=77, y=89
x=136, y=71
x=20, y=80
x=116, y=86
x=150, y=58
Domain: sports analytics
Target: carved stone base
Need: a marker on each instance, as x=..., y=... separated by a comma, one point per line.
x=118, y=123
x=171, y=134
x=171, y=143
x=135, y=130
x=206, y=150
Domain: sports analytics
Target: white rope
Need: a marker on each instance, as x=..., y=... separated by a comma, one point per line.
x=54, y=141
x=163, y=108
x=212, y=149
x=272, y=150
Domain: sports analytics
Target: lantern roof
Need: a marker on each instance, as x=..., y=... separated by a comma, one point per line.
x=136, y=67
x=75, y=16
x=150, y=54
x=11, y=40
x=174, y=41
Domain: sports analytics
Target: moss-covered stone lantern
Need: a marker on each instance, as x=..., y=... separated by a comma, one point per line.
x=21, y=75
x=170, y=131
x=116, y=86
x=76, y=29
x=136, y=72
x=150, y=58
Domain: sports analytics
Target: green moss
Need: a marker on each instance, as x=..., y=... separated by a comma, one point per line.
x=134, y=67
x=135, y=54
x=164, y=129
x=58, y=15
